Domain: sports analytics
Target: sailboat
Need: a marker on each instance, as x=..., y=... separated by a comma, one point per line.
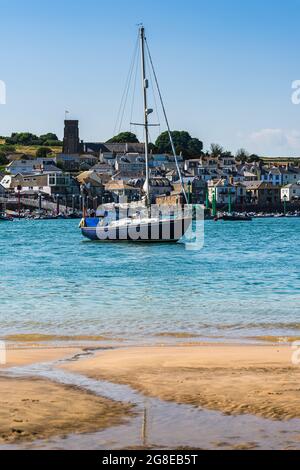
x=5, y=218
x=142, y=222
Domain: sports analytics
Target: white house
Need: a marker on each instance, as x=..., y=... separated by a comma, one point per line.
x=290, y=192
x=30, y=167
x=6, y=181
x=221, y=189
x=47, y=183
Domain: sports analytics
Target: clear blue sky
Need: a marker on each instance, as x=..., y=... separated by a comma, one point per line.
x=225, y=67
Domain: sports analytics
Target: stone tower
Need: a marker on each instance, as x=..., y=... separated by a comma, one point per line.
x=71, y=137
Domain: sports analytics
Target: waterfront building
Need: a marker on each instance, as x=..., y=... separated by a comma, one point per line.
x=272, y=176
x=222, y=191
x=290, y=192
x=93, y=182
x=159, y=186
x=195, y=187
x=46, y=183
x=176, y=198
x=263, y=194
x=121, y=191
x=291, y=175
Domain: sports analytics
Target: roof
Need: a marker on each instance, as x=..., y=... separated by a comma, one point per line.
x=118, y=185
x=89, y=177
x=291, y=186
x=159, y=182
x=219, y=182
x=261, y=185
x=115, y=147
x=18, y=156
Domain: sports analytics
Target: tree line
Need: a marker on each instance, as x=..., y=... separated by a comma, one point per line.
x=26, y=138
x=187, y=146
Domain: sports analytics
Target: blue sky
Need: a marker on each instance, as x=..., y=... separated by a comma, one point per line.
x=225, y=67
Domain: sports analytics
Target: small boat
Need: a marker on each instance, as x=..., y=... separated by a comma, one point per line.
x=5, y=218
x=147, y=224
x=237, y=218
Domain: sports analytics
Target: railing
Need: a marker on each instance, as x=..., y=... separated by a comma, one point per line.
x=47, y=205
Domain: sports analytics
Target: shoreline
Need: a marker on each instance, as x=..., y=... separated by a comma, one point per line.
x=41, y=341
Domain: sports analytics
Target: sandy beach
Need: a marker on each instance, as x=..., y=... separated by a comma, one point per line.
x=233, y=379
x=33, y=409
x=31, y=354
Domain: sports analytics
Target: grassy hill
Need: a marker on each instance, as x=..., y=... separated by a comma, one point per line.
x=31, y=150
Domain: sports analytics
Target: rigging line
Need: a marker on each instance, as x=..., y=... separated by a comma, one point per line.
x=153, y=92
x=133, y=94
x=167, y=122
x=123, y=102
x=126, y=85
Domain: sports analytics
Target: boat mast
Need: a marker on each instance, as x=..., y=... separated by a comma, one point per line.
x=145, y=84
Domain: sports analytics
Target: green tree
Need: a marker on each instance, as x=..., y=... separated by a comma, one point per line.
x=124, y=138
x=153, y=148
x=183, y=143
x=7, y=148
x=3, y=159
x=43, y=152
x=23, y=138
x=227, y=154
x=216, y=150
x=242, y=155
x=253, y=158
x=50, y=136
x=53, y=143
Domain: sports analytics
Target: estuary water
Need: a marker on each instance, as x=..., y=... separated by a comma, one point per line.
x=243, y=284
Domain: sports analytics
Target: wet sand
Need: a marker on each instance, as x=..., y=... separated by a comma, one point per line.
x=16, y=355
x=33, y=409
x=234, y=379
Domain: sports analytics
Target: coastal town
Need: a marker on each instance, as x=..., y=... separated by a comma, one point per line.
x=62, y=179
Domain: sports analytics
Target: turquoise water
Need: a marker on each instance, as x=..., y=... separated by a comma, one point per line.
x=244, y=282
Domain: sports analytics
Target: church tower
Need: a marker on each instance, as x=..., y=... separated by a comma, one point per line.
x=71, y=143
